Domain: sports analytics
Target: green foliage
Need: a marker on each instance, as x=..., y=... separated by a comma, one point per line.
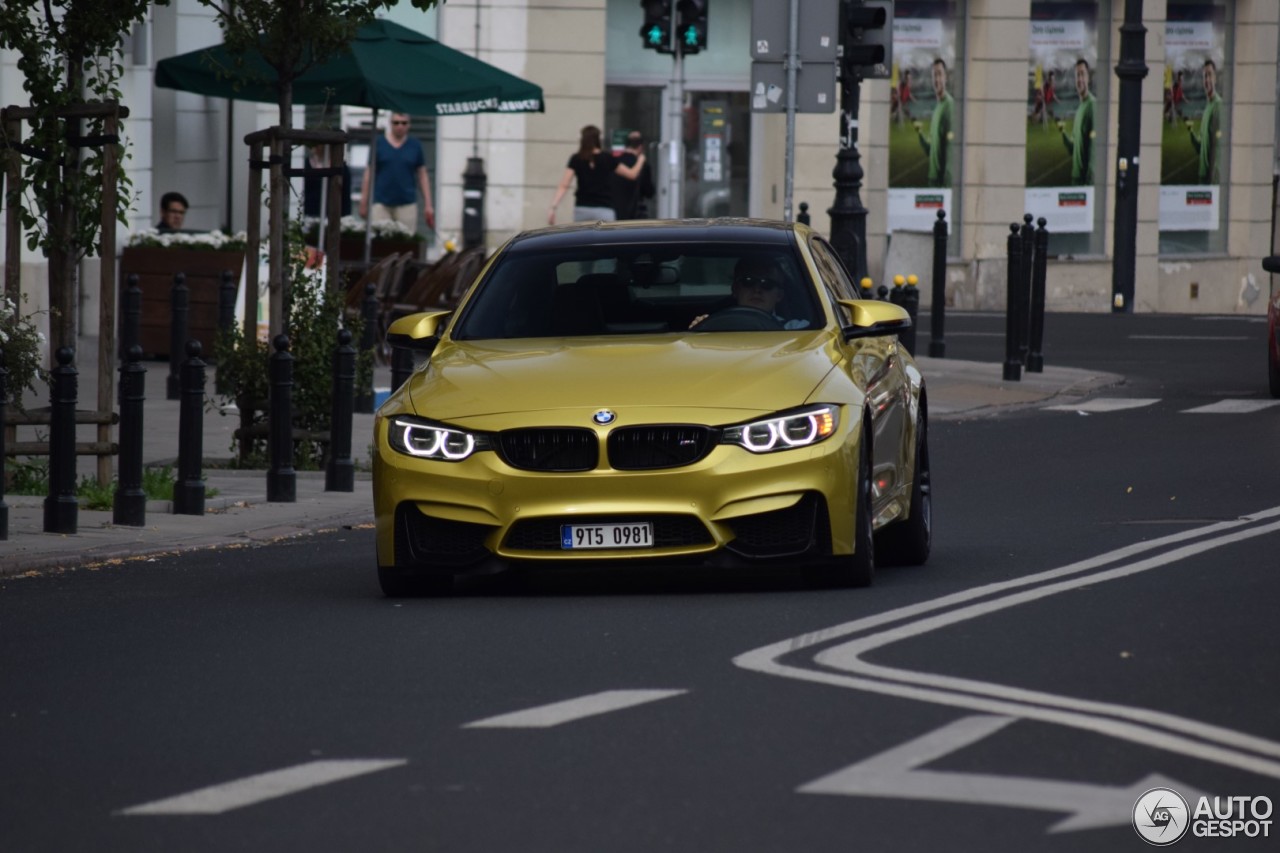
x=68, y=52
x=315, y=314
x=21, y=351
x=30, y=476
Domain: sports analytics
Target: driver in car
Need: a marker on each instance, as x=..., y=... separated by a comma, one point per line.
x=758, y=284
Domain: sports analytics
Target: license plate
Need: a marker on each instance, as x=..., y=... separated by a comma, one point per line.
x=638, y=534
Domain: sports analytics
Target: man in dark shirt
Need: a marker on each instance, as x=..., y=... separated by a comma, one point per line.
x=630, y=195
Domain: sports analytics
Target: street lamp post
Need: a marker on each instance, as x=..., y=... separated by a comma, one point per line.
x=1131, y=70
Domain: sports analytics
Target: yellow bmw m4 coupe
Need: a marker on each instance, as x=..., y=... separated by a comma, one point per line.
x=705, y=392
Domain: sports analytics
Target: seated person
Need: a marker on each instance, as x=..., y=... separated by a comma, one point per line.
x=758, y=283
x=173, y=212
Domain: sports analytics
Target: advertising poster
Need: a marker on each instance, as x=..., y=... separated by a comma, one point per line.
x=924, y=115
x=1195, y=118
x=1062, y=115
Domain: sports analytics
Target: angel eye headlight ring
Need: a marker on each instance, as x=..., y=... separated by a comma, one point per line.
x=427, y=440
x=799, y=428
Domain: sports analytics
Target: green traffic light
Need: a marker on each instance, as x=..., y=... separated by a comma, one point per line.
x=655, y=35
x=691, y=36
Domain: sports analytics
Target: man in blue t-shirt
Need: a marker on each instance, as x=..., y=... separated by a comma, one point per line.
x=400, y=174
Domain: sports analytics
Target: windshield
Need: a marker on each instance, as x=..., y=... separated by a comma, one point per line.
x=631, y=289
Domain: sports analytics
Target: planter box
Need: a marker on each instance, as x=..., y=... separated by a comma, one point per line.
x=155, y=268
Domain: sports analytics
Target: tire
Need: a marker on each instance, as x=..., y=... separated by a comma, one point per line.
x=857, y=569
x=908, y=542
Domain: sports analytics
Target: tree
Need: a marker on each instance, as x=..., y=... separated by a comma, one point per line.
x=69, y=51
x=291, y=36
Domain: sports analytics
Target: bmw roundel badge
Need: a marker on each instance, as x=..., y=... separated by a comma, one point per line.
x=604, y=417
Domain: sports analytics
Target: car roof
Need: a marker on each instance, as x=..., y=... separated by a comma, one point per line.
x=641, y=231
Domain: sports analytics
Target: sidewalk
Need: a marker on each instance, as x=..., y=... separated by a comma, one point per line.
x=239, y=514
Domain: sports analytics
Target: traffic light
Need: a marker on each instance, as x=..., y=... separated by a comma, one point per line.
x=655, y=32
x=691, y=26
x=866, y=37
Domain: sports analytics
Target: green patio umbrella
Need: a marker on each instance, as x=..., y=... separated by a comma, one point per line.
x=388, y=66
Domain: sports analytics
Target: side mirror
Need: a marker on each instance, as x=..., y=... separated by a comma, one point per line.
x=418, y=331
x=874, y=319
x=1271, y=264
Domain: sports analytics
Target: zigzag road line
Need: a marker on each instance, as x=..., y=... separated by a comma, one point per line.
x=1152, y=728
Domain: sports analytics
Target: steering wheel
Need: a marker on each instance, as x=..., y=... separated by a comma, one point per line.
x=739, y=318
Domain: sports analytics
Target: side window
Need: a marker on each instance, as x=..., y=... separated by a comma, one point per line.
x=833, y=272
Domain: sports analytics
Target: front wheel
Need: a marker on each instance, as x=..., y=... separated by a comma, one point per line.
x=908, y=542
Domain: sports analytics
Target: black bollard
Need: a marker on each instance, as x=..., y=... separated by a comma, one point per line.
x=895, y=295
x=179, y=304
x=188, y=491
x=1028, y=235
x=282, y=485
x=1012, y=312
x=227, y=302
x=129, y=507
x=401, y=366
x=803, y=216
x=1039, y=269
x=369, y=311
x=61, y=510
x=340, y=473
x=909, y=299
x=938, y=306
x=865, y=290
x=130, y=317
x=4, y=396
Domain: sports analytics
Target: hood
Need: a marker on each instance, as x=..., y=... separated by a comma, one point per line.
x=748, y=373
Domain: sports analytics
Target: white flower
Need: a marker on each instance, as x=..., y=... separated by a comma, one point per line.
x=186, y=240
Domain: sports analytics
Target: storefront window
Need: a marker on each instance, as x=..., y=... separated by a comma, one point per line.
x=1195, y=139
x=1067, y=91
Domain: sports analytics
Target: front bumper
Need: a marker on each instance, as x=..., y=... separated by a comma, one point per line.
x=732, y=502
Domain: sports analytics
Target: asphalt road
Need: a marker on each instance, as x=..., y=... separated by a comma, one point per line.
x=1096, y=620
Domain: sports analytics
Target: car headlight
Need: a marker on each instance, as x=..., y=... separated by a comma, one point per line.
x=427, y=440
x=800, y=428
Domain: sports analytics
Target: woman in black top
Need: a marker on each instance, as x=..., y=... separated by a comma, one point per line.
x=592, y=198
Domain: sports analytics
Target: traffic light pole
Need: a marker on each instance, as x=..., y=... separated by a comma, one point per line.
x=848, y=216
x=793, y=70
x=675, y=158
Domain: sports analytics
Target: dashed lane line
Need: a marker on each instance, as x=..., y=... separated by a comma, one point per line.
x=1105, y=404
x=569, y=710
x=1232, y=407
x=251, y=790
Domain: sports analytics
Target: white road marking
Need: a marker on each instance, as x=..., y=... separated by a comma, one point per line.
x=1106, y=404
x=1138, y=725
x=250, y=790
x=1188, y=337
x=893, y=773
x=1233, y=407
x=569, y=710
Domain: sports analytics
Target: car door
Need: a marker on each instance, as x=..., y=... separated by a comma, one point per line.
x=877, y=365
